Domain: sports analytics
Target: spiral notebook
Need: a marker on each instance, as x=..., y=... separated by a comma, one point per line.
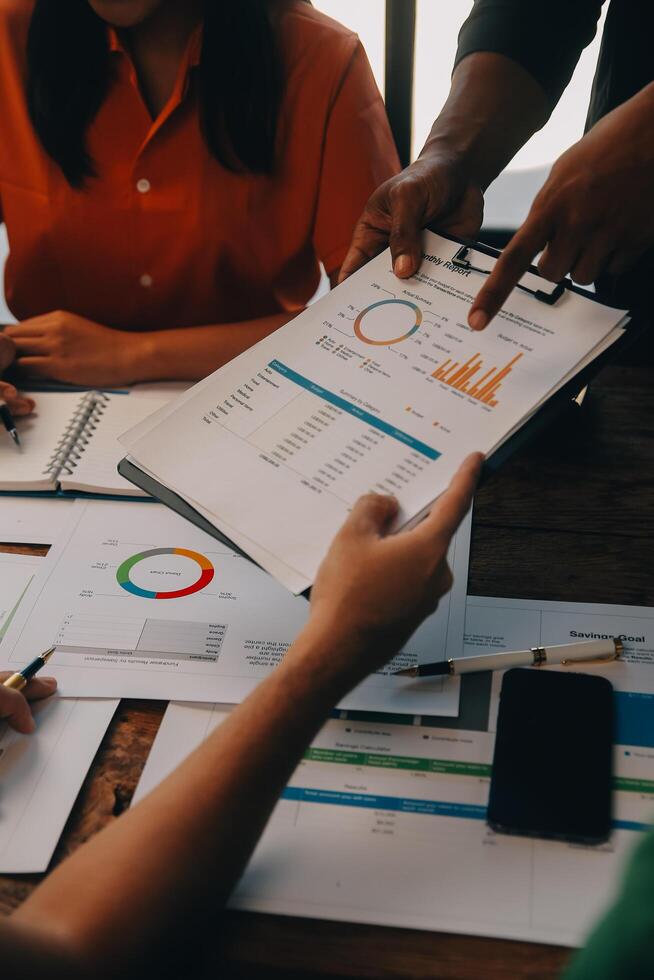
x=70, y=444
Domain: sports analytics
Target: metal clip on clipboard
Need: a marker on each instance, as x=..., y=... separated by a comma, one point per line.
x=461, y=261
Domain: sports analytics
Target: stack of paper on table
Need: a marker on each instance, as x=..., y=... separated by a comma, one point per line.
x=380, y=385
x=220, y=638
x=140, y=603
x=41, y=774
x=384, y=822
x=33, y=520
x=16, y=573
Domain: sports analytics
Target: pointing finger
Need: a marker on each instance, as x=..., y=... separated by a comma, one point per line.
x=509, y=269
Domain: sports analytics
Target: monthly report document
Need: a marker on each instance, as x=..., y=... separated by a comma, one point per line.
x=380, y=386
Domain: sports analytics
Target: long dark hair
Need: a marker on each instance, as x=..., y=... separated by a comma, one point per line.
x=240, y=82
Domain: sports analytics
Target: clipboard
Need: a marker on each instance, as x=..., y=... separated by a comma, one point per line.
x=565, y=398
x=463, y=256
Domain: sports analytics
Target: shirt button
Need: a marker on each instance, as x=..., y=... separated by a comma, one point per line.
x=143, y=186
x=146, y=280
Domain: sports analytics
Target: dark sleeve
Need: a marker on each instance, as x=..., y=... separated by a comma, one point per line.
x=621, y=946
x=546, y=39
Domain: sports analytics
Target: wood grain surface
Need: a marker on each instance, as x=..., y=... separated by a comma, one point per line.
x=571, y=517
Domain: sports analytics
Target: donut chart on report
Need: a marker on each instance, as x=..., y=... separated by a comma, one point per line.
x=360, y=328
x=124, y=570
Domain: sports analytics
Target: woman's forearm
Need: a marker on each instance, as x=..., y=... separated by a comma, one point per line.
x=139, y=899
x=191, y=353
x=163, y=871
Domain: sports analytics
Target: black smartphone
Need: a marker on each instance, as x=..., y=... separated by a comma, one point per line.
x=553, y=756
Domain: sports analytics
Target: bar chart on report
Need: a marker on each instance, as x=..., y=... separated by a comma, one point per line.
x=462, y=377
x=401, y=335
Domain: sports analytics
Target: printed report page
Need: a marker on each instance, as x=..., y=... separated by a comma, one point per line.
x=41, y=776
x=384, y=820
x=381, y=386
x=140, y=603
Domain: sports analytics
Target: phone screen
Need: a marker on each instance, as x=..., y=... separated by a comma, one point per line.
x=553, y=754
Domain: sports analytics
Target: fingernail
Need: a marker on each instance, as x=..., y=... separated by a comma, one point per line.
x=49, y=682
x=478, y=320
x=402, y=266
x=30, y=726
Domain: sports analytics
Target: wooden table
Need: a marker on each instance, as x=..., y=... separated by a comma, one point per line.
x=570, y=518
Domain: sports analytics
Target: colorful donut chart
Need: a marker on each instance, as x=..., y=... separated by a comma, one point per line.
x=206, y=573
x=358, y=328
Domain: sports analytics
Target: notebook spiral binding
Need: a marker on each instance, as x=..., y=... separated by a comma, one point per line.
x=76, y=435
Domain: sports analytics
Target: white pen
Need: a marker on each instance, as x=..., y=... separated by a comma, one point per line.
x=568, y=653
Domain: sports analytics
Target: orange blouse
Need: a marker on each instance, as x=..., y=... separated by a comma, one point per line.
x=165, y=236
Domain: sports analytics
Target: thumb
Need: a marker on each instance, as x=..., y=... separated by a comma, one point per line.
x=408, y=205
x=371, y=515
x=508, y=270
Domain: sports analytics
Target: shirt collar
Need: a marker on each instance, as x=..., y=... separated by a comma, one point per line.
x=191, y=56
x=115, y=44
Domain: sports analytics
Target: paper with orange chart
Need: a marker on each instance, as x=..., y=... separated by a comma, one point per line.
x=379, y=386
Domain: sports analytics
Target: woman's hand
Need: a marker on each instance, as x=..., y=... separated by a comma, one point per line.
x=13, y=704
x=374, y=589
x=7, y=352
x=18, y=404
x=64, y=347
x=435, y=189
x=594, y=215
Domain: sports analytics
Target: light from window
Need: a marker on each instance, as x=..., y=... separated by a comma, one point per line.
x=437, y=27
x=367, y=18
